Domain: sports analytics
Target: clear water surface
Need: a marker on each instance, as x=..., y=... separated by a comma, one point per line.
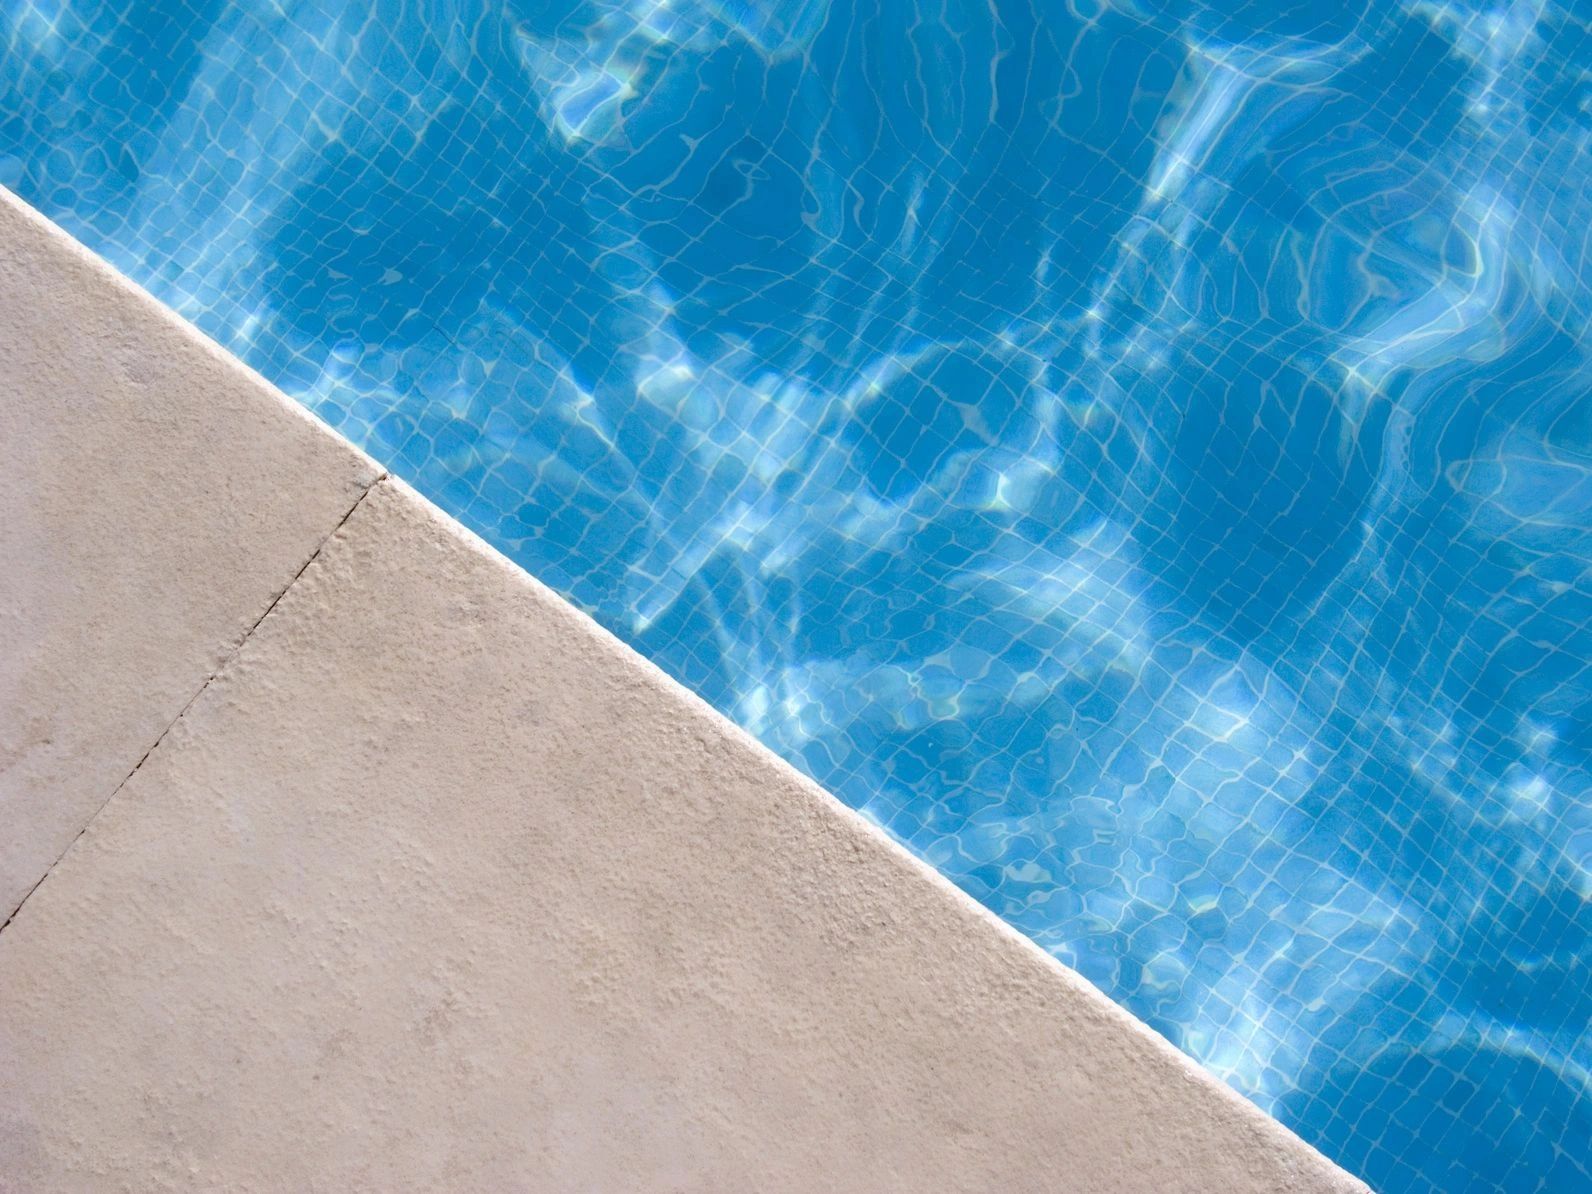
x=1138, y=453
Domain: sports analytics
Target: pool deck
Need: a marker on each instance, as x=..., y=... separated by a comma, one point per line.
x=345, y=855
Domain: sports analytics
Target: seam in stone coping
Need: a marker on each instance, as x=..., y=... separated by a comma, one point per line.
x=230, y=655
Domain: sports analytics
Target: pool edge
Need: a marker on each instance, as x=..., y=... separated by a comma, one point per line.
x=1130, y=1112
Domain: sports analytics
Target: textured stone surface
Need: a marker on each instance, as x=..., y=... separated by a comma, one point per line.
x=437, y=885
x=155, y=498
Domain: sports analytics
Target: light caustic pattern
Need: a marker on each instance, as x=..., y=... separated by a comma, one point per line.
x=1140, y=454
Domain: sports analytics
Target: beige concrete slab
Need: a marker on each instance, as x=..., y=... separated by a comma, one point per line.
x=438, y=886
x=155, y=498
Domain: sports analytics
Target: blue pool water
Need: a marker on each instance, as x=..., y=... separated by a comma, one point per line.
x=1140, y=454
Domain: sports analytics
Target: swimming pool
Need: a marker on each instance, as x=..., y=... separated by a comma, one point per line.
x=1140, y=455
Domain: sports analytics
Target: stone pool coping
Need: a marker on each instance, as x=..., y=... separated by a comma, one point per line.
x=343, y=854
